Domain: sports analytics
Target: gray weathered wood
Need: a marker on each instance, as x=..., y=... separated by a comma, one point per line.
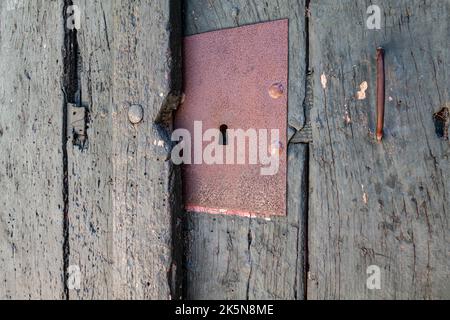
x=122, y=184
x=31, y=170
x=240, y=258
x=384, y=204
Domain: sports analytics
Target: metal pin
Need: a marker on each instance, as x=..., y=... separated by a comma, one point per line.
x=276, y=90
x=380, y=93
x=135, y=114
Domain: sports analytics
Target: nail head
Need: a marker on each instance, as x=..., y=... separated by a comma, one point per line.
x=276, y=90
x=135, y=114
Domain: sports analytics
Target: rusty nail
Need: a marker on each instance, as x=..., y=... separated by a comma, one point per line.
x=276, y=90
x=135, y=114
x=380, y=93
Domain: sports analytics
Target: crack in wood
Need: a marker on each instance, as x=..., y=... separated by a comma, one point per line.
x=72, y=96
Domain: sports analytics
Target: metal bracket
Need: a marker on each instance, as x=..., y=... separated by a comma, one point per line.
x=236, y=79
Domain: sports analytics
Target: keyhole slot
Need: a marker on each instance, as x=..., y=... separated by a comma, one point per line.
x=223, y=135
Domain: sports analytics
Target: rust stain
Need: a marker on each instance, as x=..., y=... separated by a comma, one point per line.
x=236, y=79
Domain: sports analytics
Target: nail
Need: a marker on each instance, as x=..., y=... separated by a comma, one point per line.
x=276, y=90
x=135, y=114
x=380, y=93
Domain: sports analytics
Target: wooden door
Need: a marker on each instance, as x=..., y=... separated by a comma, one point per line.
x=91, y=202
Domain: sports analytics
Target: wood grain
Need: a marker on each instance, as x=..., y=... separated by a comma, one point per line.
x=384, y=204
x=240, y=258
x=31, y=129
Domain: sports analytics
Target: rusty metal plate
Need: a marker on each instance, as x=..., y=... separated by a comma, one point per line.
x=236, y=79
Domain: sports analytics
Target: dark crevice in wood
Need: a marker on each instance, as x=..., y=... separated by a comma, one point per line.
x=250, y=241
x=176, y=273
x=173, y=98
x=184, y=261
x=71, y=60
x=304, y=135
x=441, y=122
x=307, y=109
x=184, y=219
x=165, y=122
x=78, y=119
x=305, y=213
x=72, y=95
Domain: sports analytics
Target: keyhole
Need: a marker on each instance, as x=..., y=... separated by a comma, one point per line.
x=223, y=135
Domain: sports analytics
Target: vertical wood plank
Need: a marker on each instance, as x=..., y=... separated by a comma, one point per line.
x=31, y=173
x=240, y=258
x=91, y=211
x=383, y=204
x=123, y=183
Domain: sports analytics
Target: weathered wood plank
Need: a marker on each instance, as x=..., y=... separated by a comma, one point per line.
x=240, y=258
x=383, y=204
x=31, y=172
x=122, y=185
x=91, y=171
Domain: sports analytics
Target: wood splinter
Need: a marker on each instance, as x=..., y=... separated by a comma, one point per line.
x=380, y=93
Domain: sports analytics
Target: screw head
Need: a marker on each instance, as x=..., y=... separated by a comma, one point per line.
x=135, y=114
x=276, y=90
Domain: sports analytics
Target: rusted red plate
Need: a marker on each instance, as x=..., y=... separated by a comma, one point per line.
x=236, y=79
